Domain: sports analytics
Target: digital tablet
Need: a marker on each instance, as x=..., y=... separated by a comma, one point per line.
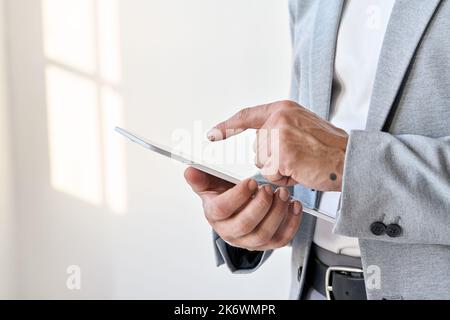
x=207, y=168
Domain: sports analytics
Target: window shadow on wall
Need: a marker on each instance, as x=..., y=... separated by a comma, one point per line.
x=84, y=102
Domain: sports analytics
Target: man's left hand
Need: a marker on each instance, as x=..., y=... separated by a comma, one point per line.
x=293, y=145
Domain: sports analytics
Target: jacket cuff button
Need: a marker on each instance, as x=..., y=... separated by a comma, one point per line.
x=378, y=228
x=394, y=230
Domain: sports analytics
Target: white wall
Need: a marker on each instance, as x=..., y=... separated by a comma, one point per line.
x=182, y=61
x=6, y=192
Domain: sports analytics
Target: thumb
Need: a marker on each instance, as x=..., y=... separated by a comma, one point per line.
x=201, y=182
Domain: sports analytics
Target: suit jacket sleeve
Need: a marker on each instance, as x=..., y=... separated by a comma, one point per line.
x=238, y=261
x=403, y=180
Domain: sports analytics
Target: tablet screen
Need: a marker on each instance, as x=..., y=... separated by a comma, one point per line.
x=201, y=165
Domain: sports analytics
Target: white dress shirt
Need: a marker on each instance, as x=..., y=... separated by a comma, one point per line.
x=359, y=43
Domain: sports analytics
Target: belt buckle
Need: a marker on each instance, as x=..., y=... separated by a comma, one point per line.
x=330, y=270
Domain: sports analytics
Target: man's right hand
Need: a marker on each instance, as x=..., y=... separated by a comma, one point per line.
x=245, y=215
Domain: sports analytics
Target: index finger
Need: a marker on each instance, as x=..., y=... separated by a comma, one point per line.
x=248, y=118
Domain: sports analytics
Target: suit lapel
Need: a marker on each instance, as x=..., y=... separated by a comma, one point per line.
x=408, y=23
x=322, y=55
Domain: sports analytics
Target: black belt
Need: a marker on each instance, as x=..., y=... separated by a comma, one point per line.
x=337, y=277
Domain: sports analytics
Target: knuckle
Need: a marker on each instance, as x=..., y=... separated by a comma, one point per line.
x=281, y=116
x=283, y=242
x=243, y=227
x=264, y=200
x=209, y=219
x=214, y=211
x=225, y=235
x=263, y=237
x=227, y=238
x=273, y=245
x=280, y=208
x=243, y=114
x=270, y=107
x=286, y=104
x=207, y=210
x=277, y=116
x=279, y=245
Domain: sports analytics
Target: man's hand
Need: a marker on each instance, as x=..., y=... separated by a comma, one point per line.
x=247, y=216
x=293, y=145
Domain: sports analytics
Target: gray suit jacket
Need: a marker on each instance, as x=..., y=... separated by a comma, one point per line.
x=398, y=169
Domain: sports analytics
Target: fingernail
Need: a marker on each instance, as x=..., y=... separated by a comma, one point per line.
x=214, y=135
x=297, y=208
x=284, y=194
x=268, y=189
x=252, y=185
